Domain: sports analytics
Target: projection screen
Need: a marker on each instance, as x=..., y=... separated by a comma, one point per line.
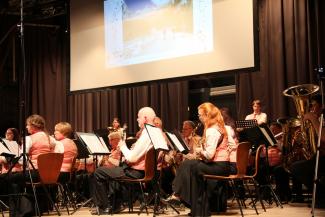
x=119, y=42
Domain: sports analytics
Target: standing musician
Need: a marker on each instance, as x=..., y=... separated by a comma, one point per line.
x=188, y=183
x=304, y=170
x=257, y=113
x=135, y=165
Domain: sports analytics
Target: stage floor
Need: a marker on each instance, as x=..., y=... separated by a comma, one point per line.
x=288, y=210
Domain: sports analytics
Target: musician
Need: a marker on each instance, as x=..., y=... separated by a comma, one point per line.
x=134, y=168
x=304, y=170
x=116, y=126
x=232, y=138
x=62, y=133
x=114, y=158
x=257, y=114
x=12, y=134
x=188, y=183
x=38, y=142
x=191, y=139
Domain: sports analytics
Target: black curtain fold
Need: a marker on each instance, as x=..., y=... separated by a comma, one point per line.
x=288, y=52
x=287, y=57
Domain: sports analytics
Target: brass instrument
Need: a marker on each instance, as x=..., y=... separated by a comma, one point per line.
x=299, y=135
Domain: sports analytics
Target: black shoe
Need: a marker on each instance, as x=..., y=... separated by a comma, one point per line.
x=101, y=211
x=117, y=209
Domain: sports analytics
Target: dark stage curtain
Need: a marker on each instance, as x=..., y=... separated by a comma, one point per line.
x=288, y=56
x=96, y=110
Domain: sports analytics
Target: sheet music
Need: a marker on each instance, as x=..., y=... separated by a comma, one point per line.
x=93, y=143
x=13, y=147
x=157, y=138
x=268, y=138
x=176, y=142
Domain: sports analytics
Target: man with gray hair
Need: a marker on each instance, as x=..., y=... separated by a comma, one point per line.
x=134, y=167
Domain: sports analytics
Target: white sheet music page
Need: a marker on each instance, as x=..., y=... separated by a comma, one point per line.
x=176, y=142
x=93, y=143
x=156, y=136
x=267, y=136
x=14, y=148
x=3, y=149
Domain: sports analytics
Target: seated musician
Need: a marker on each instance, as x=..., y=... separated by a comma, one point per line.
x=257, y=114
x=12, y=134
x=188, y=183
x=38, y=142
x=62, y=133
x=191, y=139
x=232, y=138
x=135, y=161
x=114, y=158
x=304, y=170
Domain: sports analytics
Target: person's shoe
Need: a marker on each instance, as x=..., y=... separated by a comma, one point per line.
x=117, y=209
x=101, y=211
x=172, y=198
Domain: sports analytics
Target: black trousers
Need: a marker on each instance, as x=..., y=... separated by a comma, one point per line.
x=104, y=185
x=189, y=183
x=304, y=172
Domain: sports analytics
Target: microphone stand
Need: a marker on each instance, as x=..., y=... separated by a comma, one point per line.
x=320, y=71
x=23, y=99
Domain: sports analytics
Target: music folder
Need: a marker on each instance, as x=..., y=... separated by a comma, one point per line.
x=93, y=143
x=157, y=138
x=177, y=142
x=9, y=148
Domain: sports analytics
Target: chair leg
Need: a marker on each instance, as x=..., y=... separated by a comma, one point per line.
x=51, y=201
x=233, y=186
x=257, y=192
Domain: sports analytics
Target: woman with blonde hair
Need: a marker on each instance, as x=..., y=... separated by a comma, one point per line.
x=214, y=160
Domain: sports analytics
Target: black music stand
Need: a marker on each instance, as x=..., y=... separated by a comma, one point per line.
x=159, y=143
x=177, y=142
x=89, y=144
x=262, y=135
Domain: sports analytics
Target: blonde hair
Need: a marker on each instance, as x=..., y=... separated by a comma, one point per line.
x=36, y=121
x=64, y=128
x=115, y=135
x=213, y=116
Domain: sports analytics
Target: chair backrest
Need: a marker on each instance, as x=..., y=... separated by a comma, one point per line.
x=149, y=164
x=257, y=159
x=49, y=165
x=242, y=157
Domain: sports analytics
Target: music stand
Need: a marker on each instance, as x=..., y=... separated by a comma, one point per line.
x=244, y=124
x=262, y=135
x=177, y=142
x=159, y=143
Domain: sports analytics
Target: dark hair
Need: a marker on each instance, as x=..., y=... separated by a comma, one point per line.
x=16, y=134
x=257, y=102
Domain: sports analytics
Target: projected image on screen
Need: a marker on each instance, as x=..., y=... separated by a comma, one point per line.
x=150, y=30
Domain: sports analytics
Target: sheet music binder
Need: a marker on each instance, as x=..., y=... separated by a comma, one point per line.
x=177, y=142
x=93, y=143
x=6, y=150
x=156, y=136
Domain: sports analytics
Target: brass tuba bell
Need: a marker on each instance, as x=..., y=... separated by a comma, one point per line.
x=302, y=145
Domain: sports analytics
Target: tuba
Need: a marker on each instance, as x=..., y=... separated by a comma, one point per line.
x=300, y=140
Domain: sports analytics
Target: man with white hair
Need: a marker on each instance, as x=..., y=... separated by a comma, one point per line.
x=134, y=167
